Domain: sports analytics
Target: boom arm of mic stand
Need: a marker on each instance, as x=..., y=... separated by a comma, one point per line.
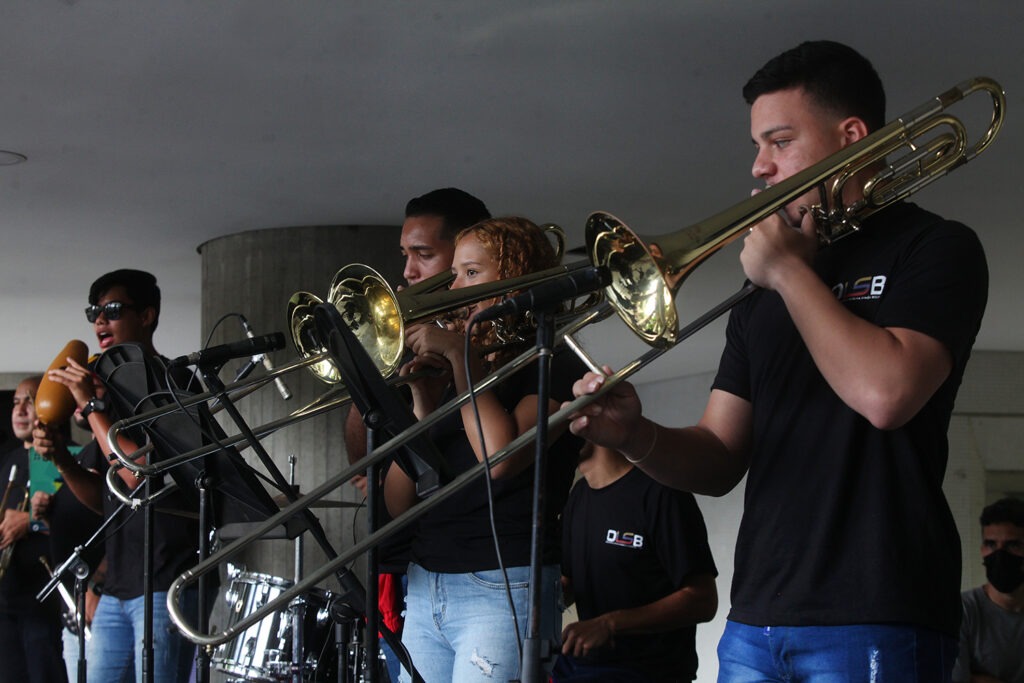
x=75, y=557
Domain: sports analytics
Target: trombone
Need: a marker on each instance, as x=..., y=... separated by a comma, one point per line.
x=375, y=457
x=7, y=554
x=376, y=314
x=647, y=273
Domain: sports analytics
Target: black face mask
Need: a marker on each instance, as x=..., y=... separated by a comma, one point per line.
x=1005, y=571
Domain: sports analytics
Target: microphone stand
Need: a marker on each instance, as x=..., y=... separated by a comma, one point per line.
x=371, y=419
x=74, y=563
x=81, y=574
x=203, y=485
x=534, y=650
x=348, y=581
x=147, y=583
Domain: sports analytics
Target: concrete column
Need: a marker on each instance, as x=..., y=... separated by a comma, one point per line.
x=255, y=273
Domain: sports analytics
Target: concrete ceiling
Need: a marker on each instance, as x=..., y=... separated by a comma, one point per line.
x=153, y=126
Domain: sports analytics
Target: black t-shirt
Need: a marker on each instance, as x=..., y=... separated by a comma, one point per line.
x=455, y=537
x=845, y=523
x=626, y=545
x=72, y=523
x=175, y=542
x=175, y=538
x=26, y=575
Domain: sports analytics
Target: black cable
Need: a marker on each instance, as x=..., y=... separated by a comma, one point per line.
x=490, y=493
x=169, y=380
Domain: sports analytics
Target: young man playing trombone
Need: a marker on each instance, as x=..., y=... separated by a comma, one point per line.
x=833, y=396
x=427, y=244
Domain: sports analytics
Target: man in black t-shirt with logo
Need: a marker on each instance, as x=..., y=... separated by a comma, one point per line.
x=833, y=398
x=635, y=559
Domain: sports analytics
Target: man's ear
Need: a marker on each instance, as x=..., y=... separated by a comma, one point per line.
x=148, y=316
x=852, y=129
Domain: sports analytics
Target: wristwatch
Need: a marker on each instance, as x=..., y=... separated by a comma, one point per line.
x=95, y=405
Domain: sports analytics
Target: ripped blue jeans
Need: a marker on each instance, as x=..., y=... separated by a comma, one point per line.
x=862, y=653
x=458, y=627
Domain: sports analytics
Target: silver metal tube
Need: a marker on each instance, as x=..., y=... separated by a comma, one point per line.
x=374, y=457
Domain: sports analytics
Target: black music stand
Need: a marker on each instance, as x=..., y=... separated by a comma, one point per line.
x=384, y=412
x=136, y=383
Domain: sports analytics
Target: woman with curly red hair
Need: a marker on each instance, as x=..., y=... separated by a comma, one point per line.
x=459, y=625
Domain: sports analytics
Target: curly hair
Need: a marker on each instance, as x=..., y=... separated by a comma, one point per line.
x=519, y=246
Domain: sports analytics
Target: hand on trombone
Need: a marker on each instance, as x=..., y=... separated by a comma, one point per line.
x=439, y=350
x=778, y=244
x=613, y=419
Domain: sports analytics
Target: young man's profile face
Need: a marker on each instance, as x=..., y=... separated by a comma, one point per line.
x=426, y=253
x=790, y=133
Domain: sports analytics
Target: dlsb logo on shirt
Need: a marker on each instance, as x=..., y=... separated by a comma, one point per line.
x=624, y=538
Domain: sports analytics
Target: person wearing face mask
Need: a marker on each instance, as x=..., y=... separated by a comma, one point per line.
x=992, y=630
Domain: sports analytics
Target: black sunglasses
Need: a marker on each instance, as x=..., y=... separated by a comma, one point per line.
x=111, y=309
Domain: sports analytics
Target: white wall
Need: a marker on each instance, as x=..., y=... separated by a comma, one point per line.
x=985, y=463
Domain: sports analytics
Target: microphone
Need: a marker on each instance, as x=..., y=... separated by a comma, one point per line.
x=548, y=295
x=278, y=382
x=217, y=355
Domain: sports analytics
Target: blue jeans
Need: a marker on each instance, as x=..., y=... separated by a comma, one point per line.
x=864, y=653
x=458, y=627
x=114, y=653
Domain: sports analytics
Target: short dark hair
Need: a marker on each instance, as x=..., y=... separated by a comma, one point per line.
x=457, y=208
x=1005, y=510
x=837, y=77
x=139, y=285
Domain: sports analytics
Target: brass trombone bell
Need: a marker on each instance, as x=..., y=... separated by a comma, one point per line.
x=304, y=336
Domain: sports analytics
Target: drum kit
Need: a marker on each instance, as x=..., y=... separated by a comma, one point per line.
x=317, y=636
x=301, y=638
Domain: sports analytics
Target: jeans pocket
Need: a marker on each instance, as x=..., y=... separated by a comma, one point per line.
x=518, y=578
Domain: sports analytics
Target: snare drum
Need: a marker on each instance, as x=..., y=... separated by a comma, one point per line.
x=263, y=651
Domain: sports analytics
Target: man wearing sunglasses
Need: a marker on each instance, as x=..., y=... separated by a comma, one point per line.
x=124, y=308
